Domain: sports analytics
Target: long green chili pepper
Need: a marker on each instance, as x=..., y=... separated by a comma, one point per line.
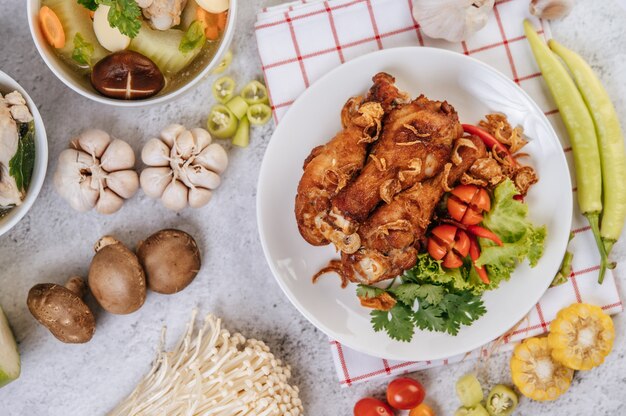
x=610, y=143
x=582, y=134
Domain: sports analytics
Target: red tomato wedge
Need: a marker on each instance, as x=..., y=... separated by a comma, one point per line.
x=450, y=244
x=467, y=203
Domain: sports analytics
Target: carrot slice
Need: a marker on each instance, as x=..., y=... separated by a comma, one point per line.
x=51, y=27
x=213, y=23
x=221, y=20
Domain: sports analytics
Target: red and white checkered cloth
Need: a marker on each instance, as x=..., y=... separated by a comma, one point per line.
x=301, y=41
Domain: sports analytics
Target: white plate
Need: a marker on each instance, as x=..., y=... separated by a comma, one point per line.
x=474, y=89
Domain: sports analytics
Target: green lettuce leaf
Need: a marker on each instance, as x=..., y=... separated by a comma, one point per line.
x=193, y=38
x=22, y=163
x=82, y=50
x=521, y=238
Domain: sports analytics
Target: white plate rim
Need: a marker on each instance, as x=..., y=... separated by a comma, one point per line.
x=264, y=172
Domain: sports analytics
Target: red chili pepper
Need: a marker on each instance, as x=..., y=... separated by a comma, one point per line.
x=474, y=253
x=519, y=197
x=484, y=233
x=490, y=141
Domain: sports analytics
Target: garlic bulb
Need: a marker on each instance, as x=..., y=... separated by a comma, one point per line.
x=452, y=20
x=97, y=171
x=184, y=167
x=551, y=9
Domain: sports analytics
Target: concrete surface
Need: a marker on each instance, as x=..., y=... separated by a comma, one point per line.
x=53, y=242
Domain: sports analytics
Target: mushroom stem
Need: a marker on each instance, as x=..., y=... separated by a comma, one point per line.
x=77, y=285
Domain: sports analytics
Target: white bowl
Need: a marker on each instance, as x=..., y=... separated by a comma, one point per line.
x=7, y=85
x=84, y=88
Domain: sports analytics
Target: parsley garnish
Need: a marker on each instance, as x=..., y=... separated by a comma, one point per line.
x=124, y=15
x=424, y=306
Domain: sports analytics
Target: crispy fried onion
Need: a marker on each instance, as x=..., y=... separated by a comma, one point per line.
x=397, y=225
x=414, y=168
x=487, y=169
x=389, y=189
x=338, y=176
x=446, y=174
x=470, y=180
x=334, y=266
x=498, y=125
x=381, y=302
x=523, y=178
x=462, y=142
x=345, y=241
x=381, y=164
x=371, y=114
x=413, y=130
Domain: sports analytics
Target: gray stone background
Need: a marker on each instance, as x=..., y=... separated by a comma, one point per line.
x=52, y=242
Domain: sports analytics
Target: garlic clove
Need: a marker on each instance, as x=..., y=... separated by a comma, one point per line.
x=200, y=176
x=109, y=202
x=551, y=9
x=175, y=196
x=123, y=182
x=452, y=20
x=155, y=153
x=71, y=183
x=183, y=145
x=92, y=141
x=170, y=133
x=199, y=197
x=213, y=157
x=154, y=181
x=202, y=139
x=118, y=156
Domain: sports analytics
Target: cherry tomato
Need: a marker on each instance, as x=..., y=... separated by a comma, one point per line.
x=405, y=393
x=372, y=407
x=467, y=203
x=450, y=244
x=422, y=410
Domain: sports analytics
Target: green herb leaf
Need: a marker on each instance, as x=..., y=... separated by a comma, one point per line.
x=193, y=38
x=429, y=318
x=89, y=4
x=22, y=163
x=396, y=322
x=408, y=292
x=82, y=50
x=367, y=292
x=125, y=15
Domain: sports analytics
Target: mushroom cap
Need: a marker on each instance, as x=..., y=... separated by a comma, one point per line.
x=116, y=278
x=63, y=312
x=171, y=260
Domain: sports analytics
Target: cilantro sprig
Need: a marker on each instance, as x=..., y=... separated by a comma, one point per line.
x=424, y=306
x=125, y=15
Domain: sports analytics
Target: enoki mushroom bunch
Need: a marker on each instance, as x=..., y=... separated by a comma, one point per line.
x=211, y=372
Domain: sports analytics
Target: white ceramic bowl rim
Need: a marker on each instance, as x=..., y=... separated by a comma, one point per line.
x=57, y=67
x=41, y=157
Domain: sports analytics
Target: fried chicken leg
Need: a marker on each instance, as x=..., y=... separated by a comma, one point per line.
x=330, y=167
x=391, y=235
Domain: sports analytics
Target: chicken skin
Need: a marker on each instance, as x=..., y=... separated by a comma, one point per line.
x=391, y=236
x=330, y=167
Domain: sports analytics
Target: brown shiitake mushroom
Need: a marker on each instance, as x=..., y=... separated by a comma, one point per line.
x=62, y=310
x=171, y=260
x=127, y=75
x=116, y=278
